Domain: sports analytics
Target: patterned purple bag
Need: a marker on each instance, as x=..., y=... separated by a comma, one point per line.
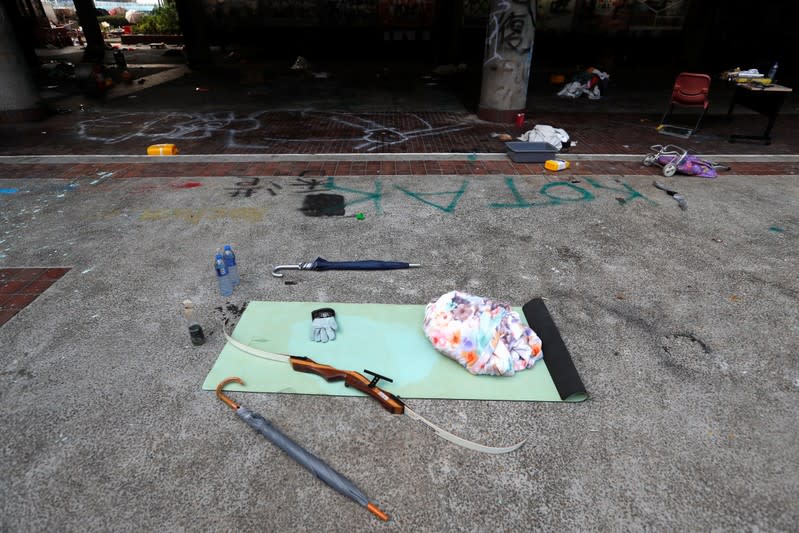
x=690, y=165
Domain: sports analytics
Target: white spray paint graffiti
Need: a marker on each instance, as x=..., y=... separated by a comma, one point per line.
x=371, y=134
x=511, y=27
x=492, y=39
x=376, y=134
x=116, y=128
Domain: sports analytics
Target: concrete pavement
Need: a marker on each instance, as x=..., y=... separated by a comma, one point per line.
x=683, y=325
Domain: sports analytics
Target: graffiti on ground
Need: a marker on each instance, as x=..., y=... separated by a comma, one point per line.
x=263, y=129
x=554, y=193
x=246, y=187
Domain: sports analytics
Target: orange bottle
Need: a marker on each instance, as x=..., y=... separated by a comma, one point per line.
x=162, y=149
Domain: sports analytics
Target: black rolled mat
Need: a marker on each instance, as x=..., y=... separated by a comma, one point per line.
x=556, y=355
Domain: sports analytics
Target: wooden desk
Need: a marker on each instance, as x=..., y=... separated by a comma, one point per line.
x=765, y=100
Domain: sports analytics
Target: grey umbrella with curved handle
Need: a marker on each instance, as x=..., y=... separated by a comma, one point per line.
x=312, y=463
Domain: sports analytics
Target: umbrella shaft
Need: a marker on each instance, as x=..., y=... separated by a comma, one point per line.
x=311, y=462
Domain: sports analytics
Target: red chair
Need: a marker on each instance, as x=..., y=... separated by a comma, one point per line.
x=690, y=90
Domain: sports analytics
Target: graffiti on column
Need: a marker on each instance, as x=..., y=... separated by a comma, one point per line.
x=511, y=29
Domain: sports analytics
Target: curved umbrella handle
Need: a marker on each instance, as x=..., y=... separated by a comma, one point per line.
x=221, y=395
x=277, y=268
x=301, y=266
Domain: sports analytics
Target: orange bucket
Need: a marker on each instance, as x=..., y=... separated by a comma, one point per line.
x=162, y=149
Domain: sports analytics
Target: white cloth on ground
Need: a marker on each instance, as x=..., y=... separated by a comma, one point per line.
x=543, y=133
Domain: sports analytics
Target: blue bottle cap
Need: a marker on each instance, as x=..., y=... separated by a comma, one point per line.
x=227, y=247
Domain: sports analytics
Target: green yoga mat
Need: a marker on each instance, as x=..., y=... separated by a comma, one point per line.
x=385, y=339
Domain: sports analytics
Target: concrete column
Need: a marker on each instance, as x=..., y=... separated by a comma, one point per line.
x=95, y=44
x=506, y=64
x=191, y=15
x=19, y=97
x=23, y=19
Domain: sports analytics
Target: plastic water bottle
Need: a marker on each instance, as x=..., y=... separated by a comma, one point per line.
x=773, y=72
x=230, y=262
x=223, y=276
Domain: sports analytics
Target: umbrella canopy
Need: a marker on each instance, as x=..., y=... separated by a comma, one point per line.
x=312, y=463
x=321, y=263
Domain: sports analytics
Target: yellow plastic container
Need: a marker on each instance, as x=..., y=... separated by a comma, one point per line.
x=162, y=149
x=556, y=164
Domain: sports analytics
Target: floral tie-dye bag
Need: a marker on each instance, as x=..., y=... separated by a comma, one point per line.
x=483, y=335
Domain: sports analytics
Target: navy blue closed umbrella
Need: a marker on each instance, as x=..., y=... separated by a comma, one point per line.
x=323, y=264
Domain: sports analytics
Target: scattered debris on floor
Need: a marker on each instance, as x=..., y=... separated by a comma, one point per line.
x=230, y=312
x=195, y=329
x=301, y=64
x=57, y=71
x=591, y=82
x=681, y=201
x=557, y=137
x=162, y=149
x=504, y=137
x=674, y=159
x=556, y=165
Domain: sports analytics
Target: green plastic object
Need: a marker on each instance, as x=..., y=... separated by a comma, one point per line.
x=386, y=339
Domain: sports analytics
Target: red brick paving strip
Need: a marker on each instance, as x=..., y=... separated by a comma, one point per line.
x=360, y=168
x=20, y=286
